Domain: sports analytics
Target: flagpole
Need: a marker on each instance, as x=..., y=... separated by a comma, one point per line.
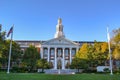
x=111, y=72
x=10, y=50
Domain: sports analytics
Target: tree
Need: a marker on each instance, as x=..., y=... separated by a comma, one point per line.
x=91, y=56
x=116, y=53
x=30, y=57
x=2, y=40
x=83, y=52
x=104, y=47
x=78, y=63
x=95, y=54
x=115, y=41
x=42, y=64
x=75, y=64
x=100, y=52
x=116, y=36
x=15, y=53
x=1, y=45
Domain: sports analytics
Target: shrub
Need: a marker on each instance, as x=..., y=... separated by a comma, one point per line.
x=19, y=69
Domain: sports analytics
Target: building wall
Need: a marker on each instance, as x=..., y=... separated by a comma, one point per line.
x=26, y=43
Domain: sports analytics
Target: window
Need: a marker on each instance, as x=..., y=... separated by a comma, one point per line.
x=73, y=52
x=45, y=52
x=66, y=52
x=59, y=52
x=52, y=52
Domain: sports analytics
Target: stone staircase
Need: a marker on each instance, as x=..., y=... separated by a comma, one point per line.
x=57, y=71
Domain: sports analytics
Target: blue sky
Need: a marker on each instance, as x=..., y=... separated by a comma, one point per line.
x=83, y=20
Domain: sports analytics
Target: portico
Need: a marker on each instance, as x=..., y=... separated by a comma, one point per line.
x=62, y=55
x=59, y=51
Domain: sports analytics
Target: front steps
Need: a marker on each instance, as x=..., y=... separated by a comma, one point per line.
x=60, y=71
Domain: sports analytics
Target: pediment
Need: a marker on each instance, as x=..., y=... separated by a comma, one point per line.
x=60, y=41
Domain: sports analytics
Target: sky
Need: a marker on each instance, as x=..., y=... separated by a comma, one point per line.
x=83, y=20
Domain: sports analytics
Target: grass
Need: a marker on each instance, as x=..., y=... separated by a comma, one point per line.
x=37, y=76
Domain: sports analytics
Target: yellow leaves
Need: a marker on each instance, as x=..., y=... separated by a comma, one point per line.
x=101, y=47
x=116, y=44
x=97, y=46
x=104, y=47
x=83, y=52
x=116, y=53
x=84, y=48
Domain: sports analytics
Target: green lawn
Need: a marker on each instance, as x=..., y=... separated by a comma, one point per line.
x=37, y=76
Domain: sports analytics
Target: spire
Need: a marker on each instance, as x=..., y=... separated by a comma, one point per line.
x=59, y=21
x=59, y=29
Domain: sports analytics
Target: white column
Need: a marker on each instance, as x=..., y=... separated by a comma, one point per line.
x=63, y=60
x=55, y=61
x=41, y=52
x=48, y=58
x=70, y=55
